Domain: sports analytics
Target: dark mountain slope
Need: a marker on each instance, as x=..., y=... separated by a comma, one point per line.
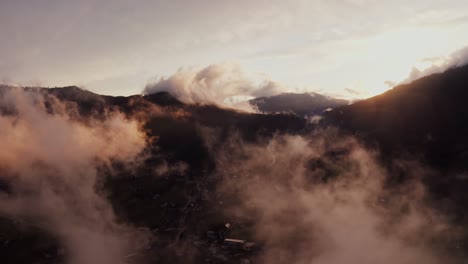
x=163, y=99
x=181, y=205
x=160, y=203
x=428, y=116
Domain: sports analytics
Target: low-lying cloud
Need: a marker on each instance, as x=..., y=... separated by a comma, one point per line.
x=325, y=199
x=225, y=85
x=53, y=164
x=317, y=198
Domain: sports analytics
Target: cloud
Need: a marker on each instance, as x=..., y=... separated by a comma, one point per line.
x=54, y=164
x=440, y=64
x=225, y=85
x=324, y=199
x=320, y=198
x=315, y=119
x=390, y=84
x=351, y=91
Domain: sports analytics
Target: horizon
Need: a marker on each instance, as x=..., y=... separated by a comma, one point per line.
x=347, y=49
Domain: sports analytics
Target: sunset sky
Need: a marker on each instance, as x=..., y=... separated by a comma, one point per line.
x=349, y=48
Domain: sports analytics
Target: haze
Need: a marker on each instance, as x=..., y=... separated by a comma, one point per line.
x=117, y=47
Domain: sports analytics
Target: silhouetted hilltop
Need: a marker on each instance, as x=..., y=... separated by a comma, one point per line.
x=428, y=116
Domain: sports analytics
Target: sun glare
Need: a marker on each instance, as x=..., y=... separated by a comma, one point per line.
x=394, y=54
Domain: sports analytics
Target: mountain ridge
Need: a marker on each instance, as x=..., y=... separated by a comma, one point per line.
x=302, y=104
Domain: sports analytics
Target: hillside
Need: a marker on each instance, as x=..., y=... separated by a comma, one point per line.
x=427, y=116
x=206, y=174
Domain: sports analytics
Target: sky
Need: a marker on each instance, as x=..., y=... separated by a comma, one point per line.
x=345, y=48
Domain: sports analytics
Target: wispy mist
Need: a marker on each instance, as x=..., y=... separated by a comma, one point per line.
x=54, y=163
x=325, y=199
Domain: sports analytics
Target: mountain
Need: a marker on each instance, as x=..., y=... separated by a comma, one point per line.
x=186, y=206
x=179, y=134
x=304, y=104
x=428, y=116
x=425, y=120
